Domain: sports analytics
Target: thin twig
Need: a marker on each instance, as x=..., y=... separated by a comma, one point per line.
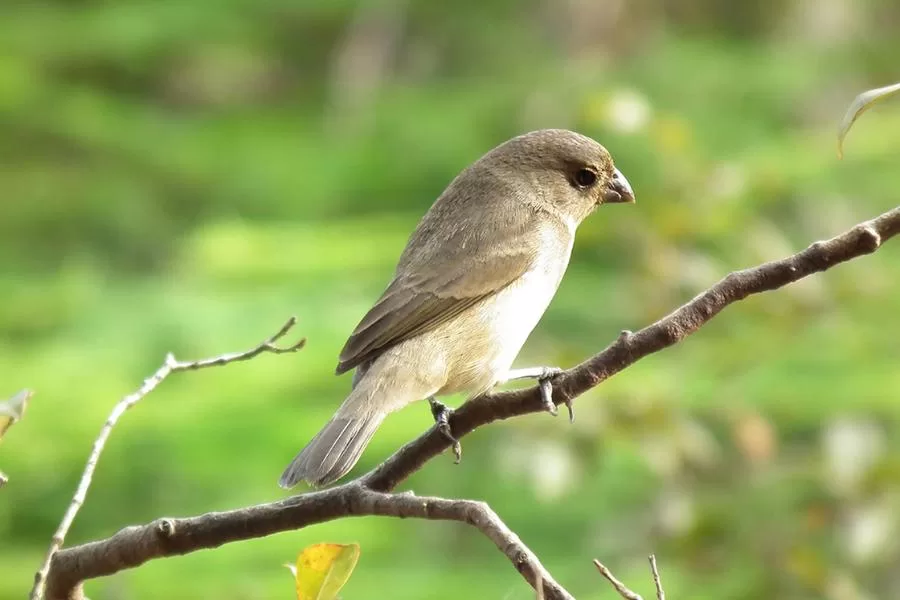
x=169, y=366
x=620, y=587
x=657, y=582
x=623, y=589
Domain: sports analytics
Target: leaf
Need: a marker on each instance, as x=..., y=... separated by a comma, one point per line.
x=323, y=569
x=860, y=104
x=12, y=410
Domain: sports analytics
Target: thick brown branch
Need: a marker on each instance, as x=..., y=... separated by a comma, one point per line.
x=134, y=546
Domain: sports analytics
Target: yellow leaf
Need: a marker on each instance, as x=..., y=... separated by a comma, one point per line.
x=860, y=104
x=12, y=410
x=323, y=569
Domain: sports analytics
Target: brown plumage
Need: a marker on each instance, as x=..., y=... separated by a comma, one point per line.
x=474, y=279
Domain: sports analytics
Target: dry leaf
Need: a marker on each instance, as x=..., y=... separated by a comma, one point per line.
x=860, y=104
x=323, y=569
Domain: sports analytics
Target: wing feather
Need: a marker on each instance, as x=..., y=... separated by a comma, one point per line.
x=456, y=258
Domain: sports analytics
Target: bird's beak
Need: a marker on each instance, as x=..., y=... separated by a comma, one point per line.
x=618, y=190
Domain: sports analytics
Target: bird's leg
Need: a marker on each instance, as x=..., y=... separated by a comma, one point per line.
x=544, y=375
x=441, y=413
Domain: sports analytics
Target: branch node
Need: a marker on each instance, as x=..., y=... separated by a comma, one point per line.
x=870, y=237
x=165, y=527
x=818, y=247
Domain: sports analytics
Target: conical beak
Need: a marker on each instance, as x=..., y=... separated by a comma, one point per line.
x=618, y=190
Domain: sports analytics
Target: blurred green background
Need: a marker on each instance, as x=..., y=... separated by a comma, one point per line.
x=183, y=176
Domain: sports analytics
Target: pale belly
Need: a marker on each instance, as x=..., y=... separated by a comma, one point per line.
x=499, y=329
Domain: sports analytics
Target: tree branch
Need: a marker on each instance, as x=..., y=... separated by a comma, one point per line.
x=134, y=546
x=167, y=537
x=476, y=514
x=630, y=347
x=170, y=365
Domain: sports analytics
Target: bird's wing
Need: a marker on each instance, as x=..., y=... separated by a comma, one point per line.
x=440, y=276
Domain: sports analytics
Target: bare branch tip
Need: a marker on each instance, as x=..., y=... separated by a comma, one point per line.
x=620, y=587
x=269, y=344
x=657, y=582
x=288, y=325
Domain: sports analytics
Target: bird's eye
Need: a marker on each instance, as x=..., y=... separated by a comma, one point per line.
x=585, y=178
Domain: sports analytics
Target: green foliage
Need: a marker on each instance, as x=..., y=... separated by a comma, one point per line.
x=182, y=176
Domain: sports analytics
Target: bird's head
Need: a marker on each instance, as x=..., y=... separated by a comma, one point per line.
x=565, y=171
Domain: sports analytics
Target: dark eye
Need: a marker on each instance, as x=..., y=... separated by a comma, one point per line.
x=585, y=178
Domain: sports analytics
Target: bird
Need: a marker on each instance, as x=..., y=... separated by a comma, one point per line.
x=475, y=277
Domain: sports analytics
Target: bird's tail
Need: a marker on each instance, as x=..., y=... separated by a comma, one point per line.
x=334, y=450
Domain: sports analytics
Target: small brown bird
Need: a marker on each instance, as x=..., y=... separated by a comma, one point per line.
x=474, y=279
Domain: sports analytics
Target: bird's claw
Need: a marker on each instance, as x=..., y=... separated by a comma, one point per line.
x=441, y=413
x=544, y=381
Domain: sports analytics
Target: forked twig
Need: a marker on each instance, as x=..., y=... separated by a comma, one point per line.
x=169, y=366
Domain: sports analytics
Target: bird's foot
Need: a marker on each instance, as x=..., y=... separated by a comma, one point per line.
x=544, y=375
x=441, y=413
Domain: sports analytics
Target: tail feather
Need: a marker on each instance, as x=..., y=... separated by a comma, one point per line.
x=333, y=451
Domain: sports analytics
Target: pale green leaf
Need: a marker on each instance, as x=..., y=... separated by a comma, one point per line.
x=860, y=104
